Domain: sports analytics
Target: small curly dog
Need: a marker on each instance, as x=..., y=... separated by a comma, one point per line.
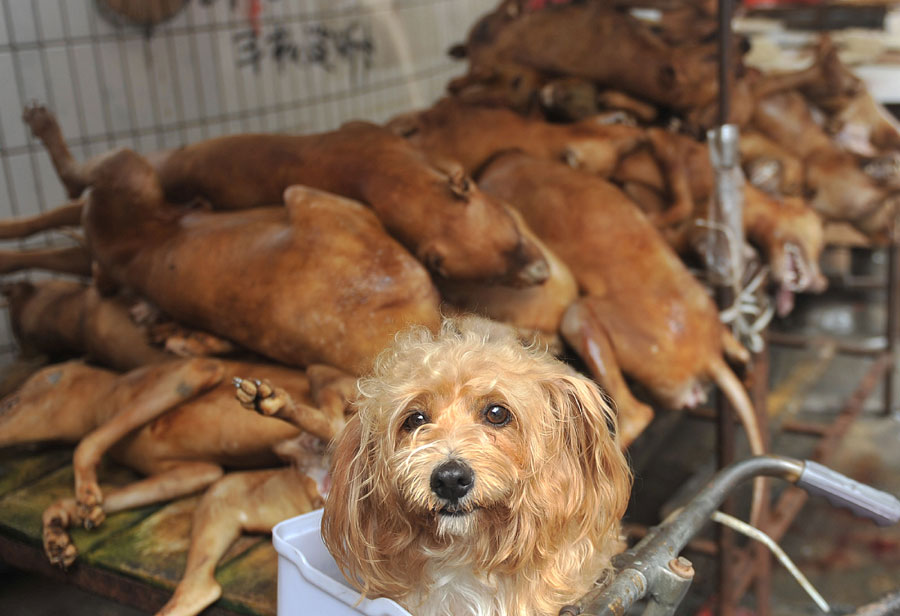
x=478, y=477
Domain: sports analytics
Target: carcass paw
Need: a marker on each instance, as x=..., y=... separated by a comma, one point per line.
x=38, y=119
x=58, y=544
x=89, y=498
x=260, y=396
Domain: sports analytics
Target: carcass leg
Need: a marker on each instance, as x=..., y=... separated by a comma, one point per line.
x=44, y=126
x=262, y=397
x=665, y=150
x=57, y=403
x=331, y=389
x=69, y=260
x=184, y=479
x=63, y=216
x=239, y=502
x=154, y=390
x=186, y=342
x=586, y=334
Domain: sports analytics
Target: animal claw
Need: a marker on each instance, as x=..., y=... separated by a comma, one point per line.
x=94, y=518
x=265, y=390
x=58, y=546
x=259, y=396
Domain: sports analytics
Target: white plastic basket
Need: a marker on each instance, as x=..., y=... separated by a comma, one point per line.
x=309, y=581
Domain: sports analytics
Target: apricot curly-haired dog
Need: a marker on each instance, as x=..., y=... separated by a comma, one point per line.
x=478, y=477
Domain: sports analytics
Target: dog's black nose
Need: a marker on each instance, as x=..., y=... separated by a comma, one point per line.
x=452, y=480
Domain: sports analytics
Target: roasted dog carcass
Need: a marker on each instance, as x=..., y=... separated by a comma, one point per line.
x=178, y=424
x=643, y=313
x=535, y=312
x=471, y=134
x=433, y=210
x=839, y=189
x=63, y=318
x=316, y=281
x=511, y=44
x=668, y=174
x=786, y=230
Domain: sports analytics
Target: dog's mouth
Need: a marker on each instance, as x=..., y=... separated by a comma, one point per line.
x=457, y=511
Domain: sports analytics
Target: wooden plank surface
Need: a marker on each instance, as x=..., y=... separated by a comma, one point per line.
x=251, y=578
x=21, y=509
x=19, y=466
x=155, y=551
x=135, y=556
x=118, y=587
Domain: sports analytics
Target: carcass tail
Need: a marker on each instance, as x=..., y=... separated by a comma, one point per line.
x=740, y=401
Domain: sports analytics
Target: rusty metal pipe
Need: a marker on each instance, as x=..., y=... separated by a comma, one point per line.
x=641, y=566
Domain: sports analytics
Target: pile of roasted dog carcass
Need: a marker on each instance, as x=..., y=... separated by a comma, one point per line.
x=558, y=188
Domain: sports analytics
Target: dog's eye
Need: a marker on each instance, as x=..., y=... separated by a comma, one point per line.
x=416, y=419
x=497, y=415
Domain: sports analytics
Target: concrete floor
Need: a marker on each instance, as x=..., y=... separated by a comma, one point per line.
x=850, y=561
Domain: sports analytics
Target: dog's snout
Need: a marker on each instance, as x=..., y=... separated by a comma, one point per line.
x=452, y=480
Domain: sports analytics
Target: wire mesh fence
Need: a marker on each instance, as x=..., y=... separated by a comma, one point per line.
x=217, y=67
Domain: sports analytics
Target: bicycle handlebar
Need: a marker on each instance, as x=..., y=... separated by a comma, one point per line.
x=649, y=564
x=841, y=491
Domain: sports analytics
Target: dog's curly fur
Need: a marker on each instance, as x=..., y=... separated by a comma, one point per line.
x=550, y=483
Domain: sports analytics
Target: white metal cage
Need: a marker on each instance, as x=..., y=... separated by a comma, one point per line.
x=217, y=67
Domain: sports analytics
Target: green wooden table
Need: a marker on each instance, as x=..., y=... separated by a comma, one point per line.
x=135, y=557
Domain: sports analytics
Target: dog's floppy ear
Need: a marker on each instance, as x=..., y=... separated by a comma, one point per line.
x=573, y=500
x=363, y=526
x=589, y=453
x=345, y=521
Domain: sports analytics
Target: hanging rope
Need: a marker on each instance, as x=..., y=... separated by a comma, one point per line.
x=750, y=310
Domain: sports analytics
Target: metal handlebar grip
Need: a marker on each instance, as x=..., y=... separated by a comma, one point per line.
x=841, y=491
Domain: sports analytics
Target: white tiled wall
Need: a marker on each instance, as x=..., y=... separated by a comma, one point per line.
x=113, y=85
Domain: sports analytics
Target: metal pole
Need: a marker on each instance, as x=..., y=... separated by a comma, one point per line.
x=759, y=394
x=725, y=15
x=726, y=429
x=724, y=535
x=893, y=305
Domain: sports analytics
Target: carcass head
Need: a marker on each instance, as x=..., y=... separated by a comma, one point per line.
x=794, y=253
x=478, y=238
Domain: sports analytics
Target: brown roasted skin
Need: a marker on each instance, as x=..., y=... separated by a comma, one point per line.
x=435, y=211
x=643, y=313
x=787, y=231
x=316, y=281
x=241, y=502
x=472, y=134
x=839, y=190
x=770, y=166
x=535, y=312
x=601, y=44
x=187, y=405
x=62, y=318
x=163, y=417
x=791, y=236
x=178, y=424
x=864, y=119
x=672, y=170
x=516, y=51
